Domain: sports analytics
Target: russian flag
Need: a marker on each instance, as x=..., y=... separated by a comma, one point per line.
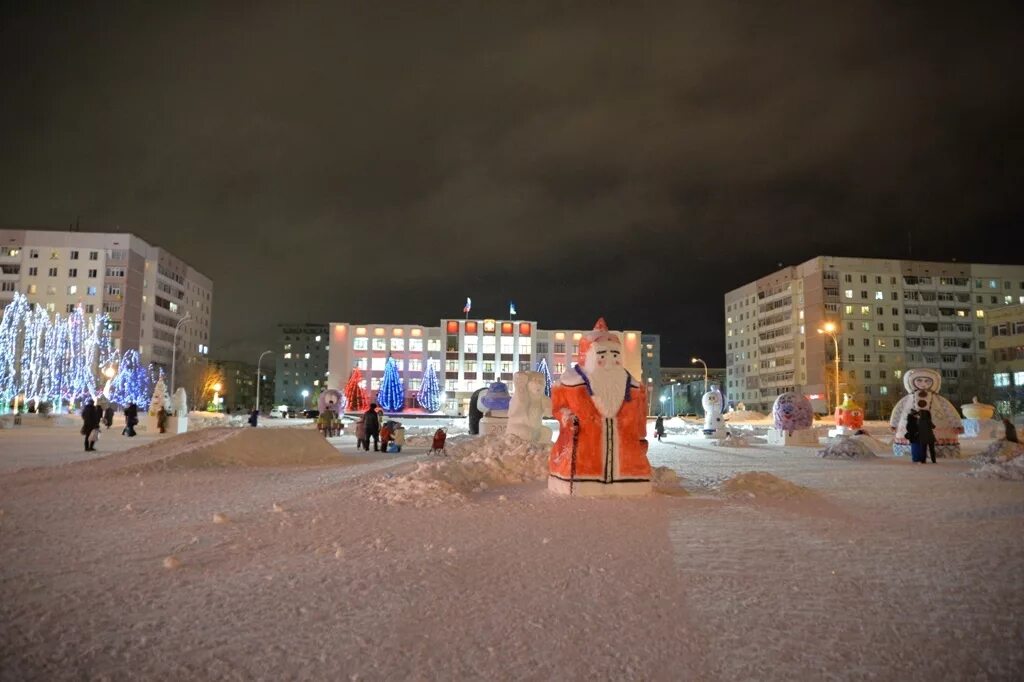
x=469, y=305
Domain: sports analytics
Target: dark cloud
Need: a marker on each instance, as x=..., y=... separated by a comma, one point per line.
x=364, y=162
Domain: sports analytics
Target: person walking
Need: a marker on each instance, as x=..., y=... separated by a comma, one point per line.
x=131, y=418
x=91, y=417
x=161, y=419
x=926, y=435
x=372, y=428
x=108, y=416
x=254, y=417
x=659, y=427
x=1009, y=431
x=914, y=437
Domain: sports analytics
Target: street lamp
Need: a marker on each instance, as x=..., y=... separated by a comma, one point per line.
x=174, y=347
x=663, y=399
x=694, y=361
x=305, y=394
x=216, y=396
x=830, y=329
x=258, y=375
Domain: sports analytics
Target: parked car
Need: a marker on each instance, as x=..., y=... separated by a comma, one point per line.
x=291, y=413
x=276, y=413
x=311, y=414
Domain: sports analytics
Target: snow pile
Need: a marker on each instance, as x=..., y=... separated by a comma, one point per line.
x=733, y=440
x=856, y=447
x=745, y=416
x=227, y=447
x=473, y=464
x=762, y=484
x=666, y=480
x=1003, y=460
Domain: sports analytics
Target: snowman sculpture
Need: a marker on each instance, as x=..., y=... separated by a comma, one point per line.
x=922, y=387
x=714, y=427
x=792, y=421
x=494, y=403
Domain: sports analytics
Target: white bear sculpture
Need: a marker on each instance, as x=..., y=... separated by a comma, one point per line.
x=528, y=407
x=180, y=421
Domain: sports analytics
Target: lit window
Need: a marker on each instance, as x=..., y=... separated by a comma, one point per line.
x=397, y=344
x=1001, y=379
x=380, y=344
x=848, y=293
x=287, y=356
x=879, y=296
x=307, y=356
x=90, y=291
x=416, y=345
x=360, y=343
x=377, y=363
x=981, y=313
x=73, y=289
x=434, y=345
x=317, y=339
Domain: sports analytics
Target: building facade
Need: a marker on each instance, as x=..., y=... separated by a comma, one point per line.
x=300, y=364
x=1006, y=355
x=467, y=354
x=888, y=315
x=239, y=385
x=146, y=290
x=682, y=389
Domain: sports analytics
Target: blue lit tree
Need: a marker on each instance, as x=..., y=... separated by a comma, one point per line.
x=429, y=396
x=542, y=367
x=391, y=395
x=132, y=382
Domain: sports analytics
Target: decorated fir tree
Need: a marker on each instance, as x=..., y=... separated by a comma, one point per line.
x=542, y=367
x=160, y=398
x=131, y=384
x=355, y=395
x=429, y=396
x=391, y=395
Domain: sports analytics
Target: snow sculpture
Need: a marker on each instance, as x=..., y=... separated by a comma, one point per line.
x=849, y=417
x=714, y=427
x=494, y=404
x=922, y=387
x=978, y=422
x=793, y=421
x=528, y=407
x=159, y=398
x=602, y=443
x=332, y=399
x=180, y=421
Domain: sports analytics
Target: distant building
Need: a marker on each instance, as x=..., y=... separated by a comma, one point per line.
x=467, y=354
x=239, y=385
x=650, y=364
x=300, y=363
x=1006, y=355
x=889, y=315
x=684, y=387
x=146, y=290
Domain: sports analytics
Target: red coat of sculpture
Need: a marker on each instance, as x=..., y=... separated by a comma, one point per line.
x=605, y=453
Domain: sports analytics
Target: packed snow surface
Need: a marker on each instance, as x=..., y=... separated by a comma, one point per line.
x=849, y=447
x=1002, y=460
x=884, y=570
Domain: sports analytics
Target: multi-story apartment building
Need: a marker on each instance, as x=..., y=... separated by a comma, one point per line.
x=1006, y=357
x=145, y=290
x=239, y=385
x=888, y=315
x=301, y=363
x=650, y=366
x=682, y=389
x=467, y=354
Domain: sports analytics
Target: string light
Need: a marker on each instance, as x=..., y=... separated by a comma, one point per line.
x=391, y=395
x=429, y=396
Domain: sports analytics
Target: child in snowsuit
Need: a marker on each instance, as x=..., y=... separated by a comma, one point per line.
x=361, y=440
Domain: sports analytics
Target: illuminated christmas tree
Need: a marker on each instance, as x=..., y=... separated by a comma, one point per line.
x=542, y=367
x=391, y=395
x=131, y=384
x=159, y=398
x=429, y=396
x=355, y=395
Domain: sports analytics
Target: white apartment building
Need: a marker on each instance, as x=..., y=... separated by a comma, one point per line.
x=144, y=289
x=889, y=315
x=467, y=353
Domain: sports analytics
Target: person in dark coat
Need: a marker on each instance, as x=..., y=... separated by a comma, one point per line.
x=1010, y=431
x=659, y=427
x=131, y=418
x=372, y=428
x=161, y=419
x=91, y=417
x=108, y=416
x=254, y=417
x=914, y=437
x=475, y=415
x=926, y=435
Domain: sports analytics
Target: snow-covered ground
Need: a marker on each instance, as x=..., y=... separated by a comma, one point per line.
x=814, y=569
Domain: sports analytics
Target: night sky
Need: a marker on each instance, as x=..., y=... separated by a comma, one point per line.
x=381, y=161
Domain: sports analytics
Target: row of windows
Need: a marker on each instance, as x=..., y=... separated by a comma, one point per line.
x=52, y=290
x=55, y=255
x=1006, y=329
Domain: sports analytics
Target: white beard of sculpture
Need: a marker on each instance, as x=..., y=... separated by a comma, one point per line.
x=607, y=379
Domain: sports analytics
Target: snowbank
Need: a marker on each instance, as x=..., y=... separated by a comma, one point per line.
x=1002, y=460
x=850, y=447
x=473, y=464
x=744, y=416
x=763, y=484
x=227, y=447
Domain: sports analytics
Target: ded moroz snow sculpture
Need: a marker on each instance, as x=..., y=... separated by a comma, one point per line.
x=714, y=427
x=922, y=387
x=793, y=421
x=494, y=404
x=602, y=443
x=528, y=407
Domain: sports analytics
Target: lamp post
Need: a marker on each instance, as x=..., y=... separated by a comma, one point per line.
x=829, y=328
x=174, y=347
x=694, y=361
x=662, y=399
x=305, y=394
x=675, y=410
x=258, y=377
x=216, y=396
